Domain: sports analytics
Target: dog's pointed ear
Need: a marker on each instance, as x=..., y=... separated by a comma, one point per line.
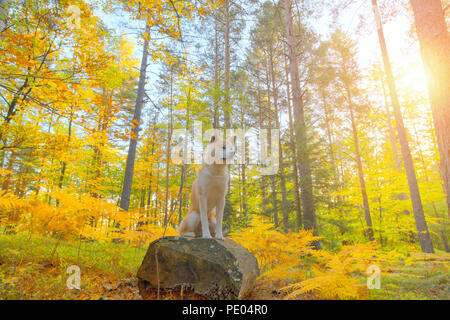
x=233, y=139
x=213, y=138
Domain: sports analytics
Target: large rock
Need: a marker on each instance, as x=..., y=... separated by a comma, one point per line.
x=195, y=268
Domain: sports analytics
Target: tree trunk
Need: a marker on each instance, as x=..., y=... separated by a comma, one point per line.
x=298, y=205
x=4, y=9
x=419, y=216
x=244, y=190
x=436, y=213
x=244, y=167
x=227, y=107
x=149, y=195
x=155, y=212
x=216, y=76
x=309, y=214
x=360, y=168
x=261, y=125
x=64, y=165
x=169, y=138
x=269, y=140
x=329, y=136
x=434, y=41
x=392, y=136
x=284, y=203
x=129, y=168
x=7, y=178
x=183, y=168
x=227, y=65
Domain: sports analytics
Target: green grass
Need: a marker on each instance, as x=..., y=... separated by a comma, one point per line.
x=120, y=259
x=36, y=267
x=418, y=283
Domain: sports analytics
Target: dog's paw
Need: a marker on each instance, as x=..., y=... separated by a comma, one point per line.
x=219, y=234
x=206, y=236
x=188, y=234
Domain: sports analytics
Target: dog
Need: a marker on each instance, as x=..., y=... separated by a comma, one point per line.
x=208, y=191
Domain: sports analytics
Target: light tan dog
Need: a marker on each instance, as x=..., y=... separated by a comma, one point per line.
x=208, y=191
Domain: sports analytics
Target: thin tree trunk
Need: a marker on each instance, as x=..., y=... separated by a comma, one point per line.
x=284, y=203
x=63, y=169
x=2, y=161
x=216, y=76
x=244, y=190
x=172, y=209
x=392, y=136
x=142, y=203
x=419, y=216
x=272, y=178
x=362, y=182
x=7, y=179
x=261, y=125
x=227, y=108
x=169, y=138
x=244, y=167
x=180, y=192
x=298, y=205
x=156, y=192
x=149, y=196
x=183, y=168
x=329, y=137
x=129, y=168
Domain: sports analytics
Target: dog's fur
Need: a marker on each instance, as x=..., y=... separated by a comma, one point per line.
x=208, y=192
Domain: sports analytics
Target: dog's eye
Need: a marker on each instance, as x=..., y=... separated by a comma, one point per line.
x=224, y=147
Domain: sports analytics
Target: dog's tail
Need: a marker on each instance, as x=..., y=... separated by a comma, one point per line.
x=178, y=228
x=185, y=234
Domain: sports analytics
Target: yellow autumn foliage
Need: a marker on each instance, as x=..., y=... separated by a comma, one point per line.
x=324, y=274
x=334, y=275
x=291, y=257
x=72, y=216
x=278, y=254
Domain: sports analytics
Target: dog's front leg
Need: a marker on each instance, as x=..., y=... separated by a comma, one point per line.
x=204, y=217
x=219, y=217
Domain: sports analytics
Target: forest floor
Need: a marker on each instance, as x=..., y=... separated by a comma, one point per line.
x=36, y=268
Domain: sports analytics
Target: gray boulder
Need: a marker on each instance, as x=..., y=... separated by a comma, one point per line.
x=196, y=268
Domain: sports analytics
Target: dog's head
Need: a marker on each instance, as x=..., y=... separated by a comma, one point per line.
x=220, y=151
